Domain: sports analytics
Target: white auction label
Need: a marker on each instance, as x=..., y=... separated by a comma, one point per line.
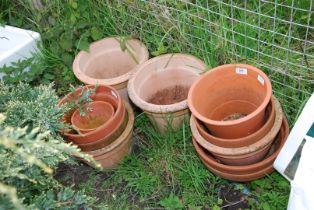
x=260, y=79
x=240, y=70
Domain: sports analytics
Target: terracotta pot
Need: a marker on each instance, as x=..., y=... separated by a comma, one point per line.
x=227, y=91
x=96, y=114
x=232, y=152
x=103, y=93
x=160, y=87
x=107, y=63
x=111, y=155
x=246, y=169
x=112, y=136
x=241, y=142
x=248, y=172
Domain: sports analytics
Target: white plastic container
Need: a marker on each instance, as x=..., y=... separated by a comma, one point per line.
x=16, y=44
x=288, y=159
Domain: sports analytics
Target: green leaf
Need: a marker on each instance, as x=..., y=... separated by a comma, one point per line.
x=66, y=42
x=83, y=45
x=96, y=33
x=172, y=202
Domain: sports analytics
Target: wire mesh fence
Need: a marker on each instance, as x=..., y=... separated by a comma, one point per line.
x=274, y=35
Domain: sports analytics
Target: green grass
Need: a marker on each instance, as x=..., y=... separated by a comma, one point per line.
x=165, y=172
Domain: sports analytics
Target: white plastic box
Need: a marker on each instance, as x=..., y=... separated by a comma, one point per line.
x=16, y=44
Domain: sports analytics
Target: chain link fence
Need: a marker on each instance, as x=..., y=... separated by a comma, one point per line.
x=274, y=35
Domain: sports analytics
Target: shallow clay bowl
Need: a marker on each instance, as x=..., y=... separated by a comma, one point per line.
x=211, y=162
x=241, y=142
x=96, y=114
x=103, y=93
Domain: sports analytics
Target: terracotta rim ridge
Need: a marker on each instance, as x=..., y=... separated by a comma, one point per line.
x=245, y=168
x=232, y=122
x=145, y=106
x=240, y=142
x=240, y=150
x=121, y=138
x=111, y=81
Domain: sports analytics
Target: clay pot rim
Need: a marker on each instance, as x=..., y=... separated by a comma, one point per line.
x=93, y=102
x=111, y=81
x=119, y=109
x=237, y=121
x=154, y=108
x=121, y=138
x=238, y=140
x=240, y=150
x=244, y=168
x=241, y=177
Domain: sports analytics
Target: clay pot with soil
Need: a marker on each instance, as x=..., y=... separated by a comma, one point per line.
x=110, y=61
x=111, y=155
x=106, y=132
x=247, y=172
x=231, y=100
x=160, y=88
x=268, y=123
x=92, y=116
x=241, y=155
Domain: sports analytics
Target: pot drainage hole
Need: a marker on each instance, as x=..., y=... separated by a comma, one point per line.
x=169, y=95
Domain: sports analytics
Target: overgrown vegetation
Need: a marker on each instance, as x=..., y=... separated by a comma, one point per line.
x=164, y=171
x=31, y=150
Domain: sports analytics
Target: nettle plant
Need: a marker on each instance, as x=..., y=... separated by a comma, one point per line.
x=31, y=150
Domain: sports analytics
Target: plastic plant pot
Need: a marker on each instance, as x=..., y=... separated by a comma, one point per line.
x=231, y=100
x=110, y=61
x=102, y=93
x=247, y=172
x=96, y=113
x=160, y=87
x=244, y=141
x=111, y=155
x=240, y=152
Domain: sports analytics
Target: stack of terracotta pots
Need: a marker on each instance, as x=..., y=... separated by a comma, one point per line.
x=238, y=127
x=104, y=129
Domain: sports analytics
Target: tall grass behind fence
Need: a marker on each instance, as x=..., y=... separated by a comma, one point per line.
x=274, y=35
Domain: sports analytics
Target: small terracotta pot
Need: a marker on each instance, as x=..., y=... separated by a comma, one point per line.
x=158, y=78
x=111, y=155
x=103, y=93
x=97, y=113
x=107, y=63
x=241, y=142
x=228, y=90
x=233, y=152
x=247, y=172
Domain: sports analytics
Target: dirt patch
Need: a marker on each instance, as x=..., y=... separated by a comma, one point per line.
x=232, y=199
x=234, y=116
x=170, y=95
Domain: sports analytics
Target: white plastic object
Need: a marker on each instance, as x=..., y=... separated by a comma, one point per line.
x=289, y=157
x=16, y=44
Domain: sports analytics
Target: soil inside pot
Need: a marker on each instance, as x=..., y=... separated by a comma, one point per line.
x=170, y=95
x=234, y=116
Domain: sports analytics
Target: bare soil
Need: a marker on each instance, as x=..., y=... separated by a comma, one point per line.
x=232, y=199
x=234, y=116
x=170, y=95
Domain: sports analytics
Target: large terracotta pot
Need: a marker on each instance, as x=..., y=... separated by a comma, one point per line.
x=247, y=172
x=241, y=155
x=244, y=141
x=95, y=114
x=108, y=63
x=103, y=93
x=160, y=88
x=111, y=155
x=227, y=92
